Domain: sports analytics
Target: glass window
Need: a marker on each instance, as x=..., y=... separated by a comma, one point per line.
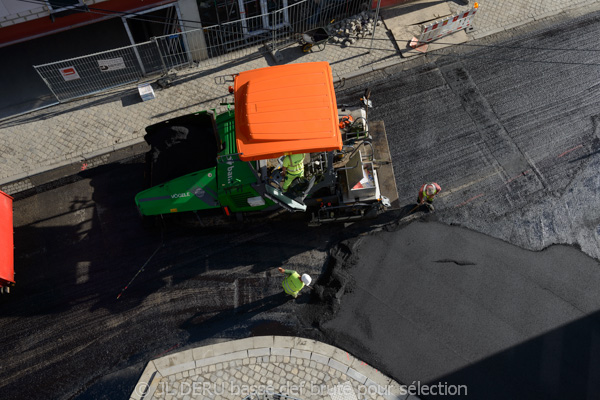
x=60, y=4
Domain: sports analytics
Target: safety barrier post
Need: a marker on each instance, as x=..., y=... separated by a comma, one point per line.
x=437, y=29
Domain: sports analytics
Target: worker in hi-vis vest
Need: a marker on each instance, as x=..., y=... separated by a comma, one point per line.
x=293, y=282
x=427, y=193
x=293, y=167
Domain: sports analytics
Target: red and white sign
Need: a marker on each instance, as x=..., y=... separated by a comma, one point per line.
x=69, y=73
x=446, y=26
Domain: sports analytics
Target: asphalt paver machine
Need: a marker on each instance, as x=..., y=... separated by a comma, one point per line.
x=225, y=167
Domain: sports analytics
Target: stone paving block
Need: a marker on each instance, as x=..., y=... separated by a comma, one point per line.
x=361, y=366
x=378, y=377
x=221, y=348
x=343, y=368
x=301, y=353
x=223, y=358
x=178, y=368
x=357, y=376
x=173, y=361
x=324, y=349
x=342, y=356
x=262, y=341
x=265, y=351
x=319, y=358
x=304, y=344
x=242, y=344
x=283, y=341
x=280, y=352
x=203, y=352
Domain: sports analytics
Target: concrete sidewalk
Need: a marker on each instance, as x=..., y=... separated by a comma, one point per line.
x=59, y=141
x=292, y=367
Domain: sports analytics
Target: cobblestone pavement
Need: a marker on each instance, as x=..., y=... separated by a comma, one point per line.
x=266, y=365
x=81, y=131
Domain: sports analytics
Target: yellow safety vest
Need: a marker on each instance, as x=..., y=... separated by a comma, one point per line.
x=292, y=284
x=294, y=164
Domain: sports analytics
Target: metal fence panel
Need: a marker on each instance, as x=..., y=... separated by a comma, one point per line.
x=213, y=45
x=81, y=76
x=307, y=15
x=233, y=40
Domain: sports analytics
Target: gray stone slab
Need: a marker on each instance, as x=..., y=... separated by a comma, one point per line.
x=319, y=358
x=223, y=358
x=377, y=377
x=301, y=354
x=203, y=352
x=260, y=352
x=275, y=351
x=324, y=349
x=283, y=341
x=242, y=344
x=304, y=344
x=361, y=366
x=262, y=341
x=342, y=356
x=357, y=376
x=173, y=361
x=178, y=368
x=222, y=348
x=343, y=368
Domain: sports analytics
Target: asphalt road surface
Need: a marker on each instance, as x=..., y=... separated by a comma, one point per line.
x=509, y=132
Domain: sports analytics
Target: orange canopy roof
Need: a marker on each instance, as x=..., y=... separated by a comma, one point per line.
x=286, y=109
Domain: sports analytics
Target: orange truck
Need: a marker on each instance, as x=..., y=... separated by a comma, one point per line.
x=7, y=272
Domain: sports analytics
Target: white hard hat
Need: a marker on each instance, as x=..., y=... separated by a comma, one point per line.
x=430, y=189
x=306, y=279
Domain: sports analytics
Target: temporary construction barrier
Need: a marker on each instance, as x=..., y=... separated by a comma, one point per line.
x=437, y=29
x=200, y=48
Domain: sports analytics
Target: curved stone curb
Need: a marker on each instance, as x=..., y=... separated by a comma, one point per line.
x=263, y=349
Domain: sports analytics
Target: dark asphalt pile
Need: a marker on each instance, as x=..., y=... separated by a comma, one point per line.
x=181, y=146
x=434, y=303
x=335, y=280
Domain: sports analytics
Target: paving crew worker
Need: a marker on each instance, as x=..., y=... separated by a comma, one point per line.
x=427, y=193
x=293, y=282
x=293, y=167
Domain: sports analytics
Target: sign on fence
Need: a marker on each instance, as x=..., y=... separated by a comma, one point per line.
x=437, y=29
x=111, y=64
x=69, y=73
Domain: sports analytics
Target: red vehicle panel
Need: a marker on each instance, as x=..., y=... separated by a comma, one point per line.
x=7, y=272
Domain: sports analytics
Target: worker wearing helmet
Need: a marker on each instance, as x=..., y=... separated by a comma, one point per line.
x=427, y=193
x=293, y=282
x=293, y=167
